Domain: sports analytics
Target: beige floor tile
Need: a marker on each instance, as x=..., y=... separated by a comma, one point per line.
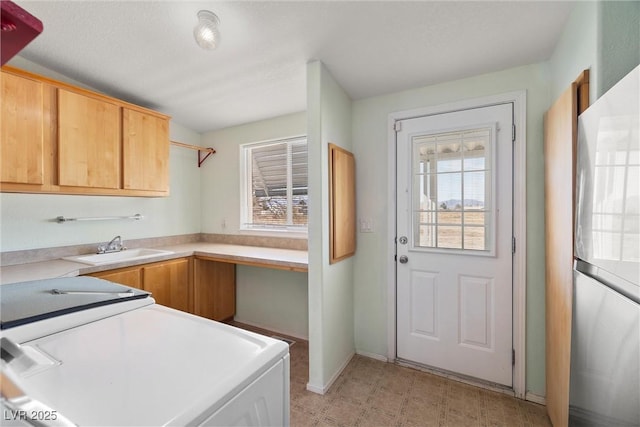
x=299, y=418
x=371, y=393
x=387, y=401
x=344, y=413
x=375, y=418
x=417, y=412
x=355, y=391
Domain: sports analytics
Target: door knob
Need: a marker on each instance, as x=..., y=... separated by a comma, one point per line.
x=403, y=259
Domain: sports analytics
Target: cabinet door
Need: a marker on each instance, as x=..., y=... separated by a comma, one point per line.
x=168, y=283
x=88, y=141
x=342, y=204
x=214, y=289
x=145, y=151
x=22, y=130
x=560, y=140
x=125, y=276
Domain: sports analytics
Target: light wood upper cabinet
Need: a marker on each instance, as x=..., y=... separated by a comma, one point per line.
x=22, y=124
x=146, y=151
x=62, y=139
x=88, y=141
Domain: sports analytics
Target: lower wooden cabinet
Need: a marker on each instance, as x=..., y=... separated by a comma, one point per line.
x=130, y=276
x=196, y=285
x=214, y=289
x=169, y=281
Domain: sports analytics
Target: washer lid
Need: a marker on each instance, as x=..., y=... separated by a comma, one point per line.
x=149, y=367
x=27, y=302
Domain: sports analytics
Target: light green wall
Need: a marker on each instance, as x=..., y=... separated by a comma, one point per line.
x=603, y=37
x=577, y=50
x=331, y=322
x=619, y=41
x=370, y=146
x=273, y=299
x=221, y=172
x=25, y=218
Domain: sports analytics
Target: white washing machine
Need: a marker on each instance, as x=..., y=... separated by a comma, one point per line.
x=94, y=353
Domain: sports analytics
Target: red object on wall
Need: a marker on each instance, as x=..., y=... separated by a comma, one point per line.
x=18, y=28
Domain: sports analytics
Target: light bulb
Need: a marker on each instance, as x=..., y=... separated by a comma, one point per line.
x=206, y=32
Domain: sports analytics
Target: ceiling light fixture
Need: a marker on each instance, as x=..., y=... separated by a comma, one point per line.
x=206, y=32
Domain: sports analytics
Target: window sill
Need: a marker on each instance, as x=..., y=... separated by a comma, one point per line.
x=289, y=233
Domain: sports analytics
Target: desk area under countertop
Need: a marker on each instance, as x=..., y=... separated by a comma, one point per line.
x=282, y=259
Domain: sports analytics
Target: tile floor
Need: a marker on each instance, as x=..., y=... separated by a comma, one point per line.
x=374, y=393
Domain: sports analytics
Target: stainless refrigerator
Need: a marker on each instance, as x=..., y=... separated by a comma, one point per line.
x=605, y=337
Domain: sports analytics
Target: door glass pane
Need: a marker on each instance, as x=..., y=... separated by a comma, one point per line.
x=423, y=156
x=474, y=238
x=452, y=183
x=427, y=217
x=424, y=192
x=426, y=236
x=475, y=217
x=449, y=190
x=475, y=190
x=476, y=151
x=449, y=158
x=449, y=237
x=450, y=217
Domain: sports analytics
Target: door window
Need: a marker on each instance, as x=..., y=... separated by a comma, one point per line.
x=453, y=180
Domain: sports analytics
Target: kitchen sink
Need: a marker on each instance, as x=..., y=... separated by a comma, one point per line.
x=125, y=255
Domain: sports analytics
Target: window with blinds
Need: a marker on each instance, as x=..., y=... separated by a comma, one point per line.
x=275, y=185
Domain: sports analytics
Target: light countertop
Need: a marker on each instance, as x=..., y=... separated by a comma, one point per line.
x=285, y=259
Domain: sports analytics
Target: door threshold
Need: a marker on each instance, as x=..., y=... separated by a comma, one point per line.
x=487, y=385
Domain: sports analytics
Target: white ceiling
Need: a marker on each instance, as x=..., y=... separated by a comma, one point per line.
x=144, y=51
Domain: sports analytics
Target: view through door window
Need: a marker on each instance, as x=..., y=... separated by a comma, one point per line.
x=452, y=190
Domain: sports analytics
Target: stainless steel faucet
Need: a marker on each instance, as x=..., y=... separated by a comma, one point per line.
x=115, y=245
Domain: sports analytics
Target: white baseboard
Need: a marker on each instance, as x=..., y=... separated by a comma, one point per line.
x=269, y=328
x=323, y=389
x=532, y=397
x=315, y=389
x=373, y=356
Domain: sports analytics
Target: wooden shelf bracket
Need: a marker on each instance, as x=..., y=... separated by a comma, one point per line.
x=203, y=152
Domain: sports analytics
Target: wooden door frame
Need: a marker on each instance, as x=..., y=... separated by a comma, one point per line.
x=519, y=100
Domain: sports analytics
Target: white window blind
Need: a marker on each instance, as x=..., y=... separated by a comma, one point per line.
x=275, y=190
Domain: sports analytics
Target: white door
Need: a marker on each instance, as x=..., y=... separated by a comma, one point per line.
x=454, y=248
